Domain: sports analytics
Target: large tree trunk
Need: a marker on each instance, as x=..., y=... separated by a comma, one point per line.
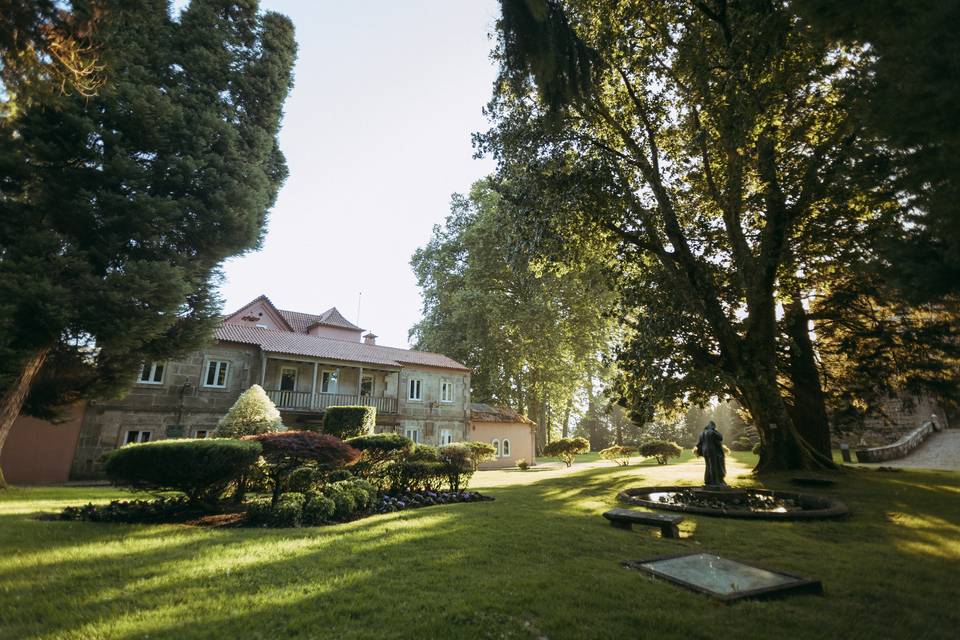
x=809, y=410
x=782, y=447
x=565, y=433
x=13, y=398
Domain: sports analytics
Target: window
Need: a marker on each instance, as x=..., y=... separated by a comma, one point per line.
x=137, y=436
x=288, y=379
x=413, y=433
x=414, y=390
x=505, y=448
x=152, y=373
x=328, y=381
x=201, y=433
x=496, y=447
x=216, y=374
x=446, y=392
x=366, y=386
x=446, y=436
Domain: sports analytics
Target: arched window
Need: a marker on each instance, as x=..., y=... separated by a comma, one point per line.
x=505, y=447
x=496, y=447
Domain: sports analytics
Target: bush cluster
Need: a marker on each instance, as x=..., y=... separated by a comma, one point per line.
x=335, y=502
x=200, y=469
x=349, y=422
x=414, y=500
x=131, y=511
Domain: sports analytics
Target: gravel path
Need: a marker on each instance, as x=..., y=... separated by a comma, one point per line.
x=940, y=451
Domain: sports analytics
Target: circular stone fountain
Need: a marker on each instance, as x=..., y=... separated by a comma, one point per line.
x=758, y=504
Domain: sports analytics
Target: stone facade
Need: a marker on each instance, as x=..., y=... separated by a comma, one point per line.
x=181, y=405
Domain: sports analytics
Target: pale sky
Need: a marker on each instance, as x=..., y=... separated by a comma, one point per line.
x=377, y=137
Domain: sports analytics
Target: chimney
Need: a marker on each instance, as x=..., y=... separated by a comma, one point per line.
x=370, y=338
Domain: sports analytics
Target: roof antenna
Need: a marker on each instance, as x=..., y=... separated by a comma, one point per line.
x=359, y=298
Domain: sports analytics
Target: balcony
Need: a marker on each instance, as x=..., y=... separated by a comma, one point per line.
x=306, y=401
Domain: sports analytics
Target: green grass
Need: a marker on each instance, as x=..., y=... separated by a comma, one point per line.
x=537, y=562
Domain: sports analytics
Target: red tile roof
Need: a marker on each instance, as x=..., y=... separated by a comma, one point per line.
x=301, y=322
x=290, y=343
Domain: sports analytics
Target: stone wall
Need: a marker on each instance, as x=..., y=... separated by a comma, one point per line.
x=899, y=417
x=177, y=407
x=899, y=449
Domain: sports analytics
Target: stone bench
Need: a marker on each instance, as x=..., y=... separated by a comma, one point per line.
x=626, y=518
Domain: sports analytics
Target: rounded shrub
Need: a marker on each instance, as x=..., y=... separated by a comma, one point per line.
x=200, y=469
x=522, y=464
x=661, y=450
x=350, y=497
x=318, y=508
x=619, y=454
x=287, y=512
x=567, y=449
x=349, y=422
x=480, y=452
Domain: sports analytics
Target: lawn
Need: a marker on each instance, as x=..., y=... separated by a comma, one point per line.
x=539, y=562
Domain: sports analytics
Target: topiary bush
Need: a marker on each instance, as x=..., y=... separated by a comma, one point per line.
x=620, y=454
x=661, y=450
x=379, y=452
x=287, y=451
x=522, y=464
x=350, y=497
x=480, y=452
x=419, y=470
x=457, y=464
x=286, y=512
x=567, y=449
x=200, y=469
x=252, y=413
x=318, y=509
x=349, y=422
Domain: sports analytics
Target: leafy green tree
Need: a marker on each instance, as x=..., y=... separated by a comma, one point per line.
x=253, y=412
x=529, y=333
x=717, y=173
x=660, y=450
x=117, y=209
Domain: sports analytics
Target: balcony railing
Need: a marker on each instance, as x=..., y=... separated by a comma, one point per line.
x=306, y=401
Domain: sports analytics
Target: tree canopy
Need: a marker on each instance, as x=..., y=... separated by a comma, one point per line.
x=117, y=208
x=718, y=154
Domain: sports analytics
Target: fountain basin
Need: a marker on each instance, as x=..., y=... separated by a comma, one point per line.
x=723, y=502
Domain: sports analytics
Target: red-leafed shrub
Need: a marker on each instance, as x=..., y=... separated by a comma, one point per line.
x=287, y=451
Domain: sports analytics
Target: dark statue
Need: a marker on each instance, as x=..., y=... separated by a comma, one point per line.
x=710, y=446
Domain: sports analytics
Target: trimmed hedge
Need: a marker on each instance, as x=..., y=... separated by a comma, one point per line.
x=200, y=469
x=479, y=452
x=457, y=463
x=349, y=422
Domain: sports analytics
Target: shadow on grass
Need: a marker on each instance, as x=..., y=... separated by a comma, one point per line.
x=538, y=561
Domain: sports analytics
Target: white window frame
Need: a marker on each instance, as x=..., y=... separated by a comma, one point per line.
x=153, y=373
x=333, y=376
x=446, y=436
x=496, y=447
x=415, y=383
x=446, y=392
x=296, y=374
x=139, y=437
x=223, y=365
x=505, y=449
x=413, y=433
